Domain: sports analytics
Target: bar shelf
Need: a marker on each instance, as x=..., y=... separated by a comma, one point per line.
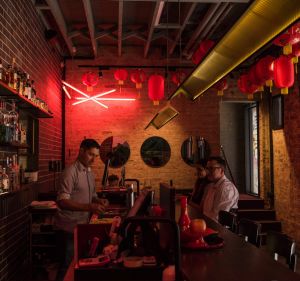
x=23, y=103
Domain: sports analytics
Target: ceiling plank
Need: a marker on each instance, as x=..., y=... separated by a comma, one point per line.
x=90, y=21
x=56, y=12
x=208, y=16
x=208, y=27
x=185, y=22
x=46, y=24
x=120, y=27
x=155, y=21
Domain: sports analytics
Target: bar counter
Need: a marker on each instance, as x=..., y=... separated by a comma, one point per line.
x=236, y=260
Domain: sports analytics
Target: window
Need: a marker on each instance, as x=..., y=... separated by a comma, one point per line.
x=252, y=149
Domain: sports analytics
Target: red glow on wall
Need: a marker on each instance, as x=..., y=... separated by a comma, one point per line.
x=95, y=98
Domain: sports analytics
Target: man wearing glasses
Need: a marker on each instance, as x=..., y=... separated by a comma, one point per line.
x=220, y=194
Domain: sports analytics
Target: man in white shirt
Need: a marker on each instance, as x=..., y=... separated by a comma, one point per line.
x=220, y=194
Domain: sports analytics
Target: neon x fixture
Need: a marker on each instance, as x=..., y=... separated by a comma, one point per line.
x=96, y=98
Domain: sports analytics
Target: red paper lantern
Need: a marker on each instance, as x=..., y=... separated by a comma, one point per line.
x=138, y=77
x=286, y=40
x=90, y=79
x=283, y=73
x=246, y=87
x=121, y=75
x=156, y=88
x=220, y=86
x=255, y=80
x=296, y=52
x=178, y=77
x=265, y=71
x=202, y=50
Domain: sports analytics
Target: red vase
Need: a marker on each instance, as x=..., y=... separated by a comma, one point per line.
x=184, y=220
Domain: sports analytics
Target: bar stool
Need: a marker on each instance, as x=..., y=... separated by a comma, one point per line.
x=228, y=219
x=251, y=230
x=282, y=245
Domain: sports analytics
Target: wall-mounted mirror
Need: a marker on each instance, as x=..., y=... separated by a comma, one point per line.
x=116, y=150
x=155, y=152
x=195, y=150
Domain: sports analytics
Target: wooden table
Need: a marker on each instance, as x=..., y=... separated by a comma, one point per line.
x=236, y=261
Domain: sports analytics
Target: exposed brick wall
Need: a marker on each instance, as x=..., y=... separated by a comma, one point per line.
x=287, y=167
x=198, y=118
x=22, y=37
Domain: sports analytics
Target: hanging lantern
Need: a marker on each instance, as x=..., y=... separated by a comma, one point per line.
x=138, y=77
x=283, y=73
x=178, y=77
x=202, y=50
x=220, y=86
x=294, y=31
x=255, y=80
x=90, y=79
x=246, y=87
x=296, y=54
x=286, y=40
x=156, y=88
x=265, y=71
x=121, y=75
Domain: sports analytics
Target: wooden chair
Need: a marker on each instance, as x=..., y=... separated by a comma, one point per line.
x=228, y=219
x=251, y=230
x=282, y=245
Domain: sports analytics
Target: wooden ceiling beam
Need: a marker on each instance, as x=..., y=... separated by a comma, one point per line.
x=202, y=24
x=155, y=21
x=120, y=27
x=57, y=14
x=91, y=25
x=184, y=24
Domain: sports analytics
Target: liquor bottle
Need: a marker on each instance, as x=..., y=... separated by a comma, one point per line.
x=27, y=92
x=184, y=220
x=15, y=74
x=10, y=76
x=2, y=72
x=5, y=180
x=33, y=91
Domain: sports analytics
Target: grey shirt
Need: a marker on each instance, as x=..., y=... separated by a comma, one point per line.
x=77, y=184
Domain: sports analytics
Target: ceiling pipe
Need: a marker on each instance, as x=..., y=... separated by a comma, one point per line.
x=207, y=28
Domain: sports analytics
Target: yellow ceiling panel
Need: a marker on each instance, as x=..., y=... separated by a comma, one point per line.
x=263, y=21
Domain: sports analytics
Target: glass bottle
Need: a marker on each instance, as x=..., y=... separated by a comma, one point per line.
x=184, y=220
x=10, y=76
x=5, y=181
x=33, y=91
x=2, y=72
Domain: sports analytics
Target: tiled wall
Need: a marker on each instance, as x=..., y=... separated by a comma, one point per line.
x=22, y=37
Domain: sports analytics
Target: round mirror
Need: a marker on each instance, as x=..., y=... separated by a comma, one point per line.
x=116, y=150
x=195, y=150
x=155, y=152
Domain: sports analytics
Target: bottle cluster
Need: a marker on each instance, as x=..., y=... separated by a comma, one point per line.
x=10, y=173
x=12, y=131
x=21, y=82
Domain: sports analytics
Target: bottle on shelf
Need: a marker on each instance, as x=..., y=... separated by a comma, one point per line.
x=27, y=92
x=10, y=76
x=15, y=75
x=5, y=180
x=2, y=71
x=184, y=219
x=33, y=91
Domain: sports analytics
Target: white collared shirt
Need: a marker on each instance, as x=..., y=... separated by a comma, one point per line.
x=218, y=196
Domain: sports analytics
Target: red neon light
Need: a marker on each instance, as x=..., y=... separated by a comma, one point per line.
x=97, y=98
x=66, y=92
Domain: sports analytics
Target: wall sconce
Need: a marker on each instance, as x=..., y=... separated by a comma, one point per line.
x=164, y=116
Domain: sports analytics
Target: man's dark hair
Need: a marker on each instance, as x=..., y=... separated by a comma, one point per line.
x=89, y=143
x=219, y=160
